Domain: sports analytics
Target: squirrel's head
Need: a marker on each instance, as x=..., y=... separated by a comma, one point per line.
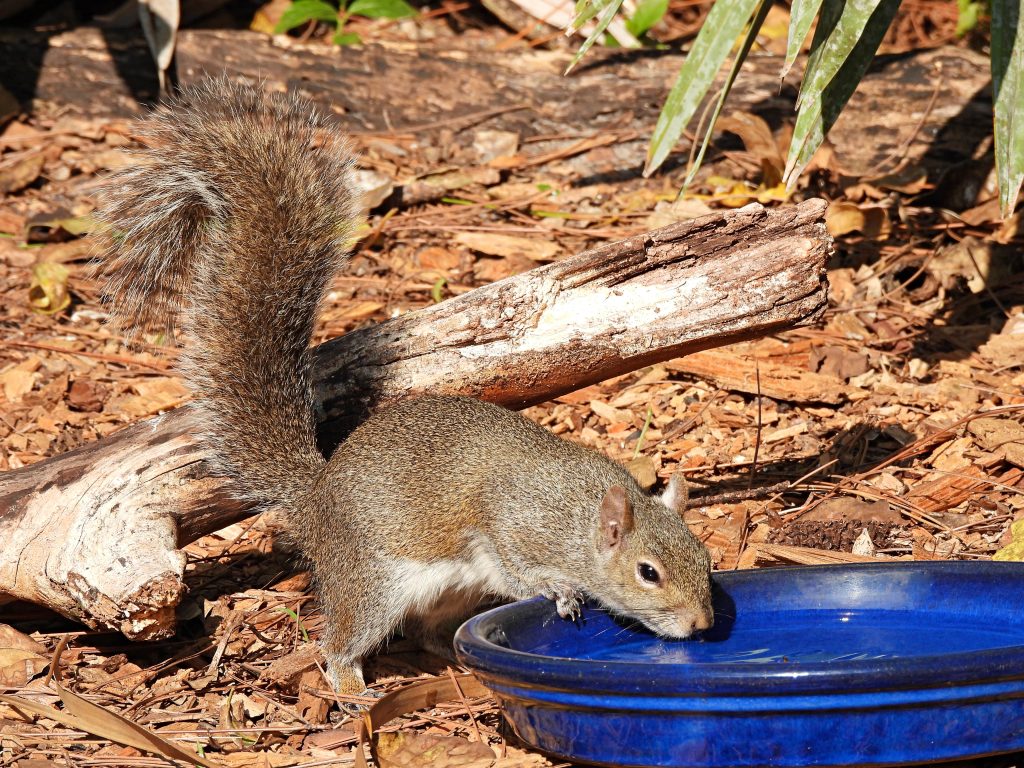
x=655, y=570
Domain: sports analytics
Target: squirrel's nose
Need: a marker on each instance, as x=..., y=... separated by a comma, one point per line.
x=704, y=620
x=695, y=621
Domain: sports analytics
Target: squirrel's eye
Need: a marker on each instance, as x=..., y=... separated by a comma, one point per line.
x=648, y=573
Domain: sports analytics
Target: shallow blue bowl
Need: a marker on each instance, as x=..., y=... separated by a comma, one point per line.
x=836, y=665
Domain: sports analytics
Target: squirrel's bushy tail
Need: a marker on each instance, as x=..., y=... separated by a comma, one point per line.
x=237, y=215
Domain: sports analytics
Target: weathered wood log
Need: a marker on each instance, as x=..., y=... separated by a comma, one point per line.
x=94, y=534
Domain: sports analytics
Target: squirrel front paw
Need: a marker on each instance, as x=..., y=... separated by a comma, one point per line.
x=567, y=600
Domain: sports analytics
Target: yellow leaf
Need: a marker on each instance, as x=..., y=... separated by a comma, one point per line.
x=48, y=293
x=1015, y=549
x=731, y=193
x=871, y=220
x=776, y=194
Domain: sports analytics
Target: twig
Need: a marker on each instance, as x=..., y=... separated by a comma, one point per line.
x=757, y=436
x=465, y=703
x=156, y=365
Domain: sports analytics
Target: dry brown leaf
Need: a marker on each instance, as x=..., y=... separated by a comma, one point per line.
x=510, y=246
x=373, y=187
x=441, y=259
x=608, y=413
x=87, y=395
x=16, y=177
x=492, y=270
x=1006, y=349
x=756, y=135
x=684, y=209
x=581, y=396
x=731, y=370
x=311, y=707
x=15, y=256
x=361, y=310
x=80, y=249
x=262, y=760
x=785, y=433
x=12, y=638
x=17, y=382
x=643, y=471
x=949, y=457
x=978, y=263
x=993, y=433
x=21, y=657
x=420, y=695
x=267, y=15
x=911, y=180
x=853, y=508
x=11, y=223
x=839, y=361
x=490, y=145
x=405, y=749
x=159, y=393
x=83, y=715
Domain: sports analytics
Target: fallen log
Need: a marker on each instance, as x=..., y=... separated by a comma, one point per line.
x=95, y=534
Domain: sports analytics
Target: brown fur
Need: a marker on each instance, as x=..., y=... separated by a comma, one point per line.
x=239, y=214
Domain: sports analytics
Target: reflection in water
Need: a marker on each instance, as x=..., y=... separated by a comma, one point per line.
x=804, y=637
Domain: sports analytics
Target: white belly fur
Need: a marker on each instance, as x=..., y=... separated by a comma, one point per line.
x=473, y=577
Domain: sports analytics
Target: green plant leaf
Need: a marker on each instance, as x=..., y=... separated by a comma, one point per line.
x=585, y=11
x=1008, y=98
x=840, y=55
x=608, y=13
x=967, y=14
x=829, y=14
x=437, y=289
x=723, y=25
x=294, y=617
x=301, y=11
x=346, y=38
x=381, y=9
x=741, y=55
x=647, y=14
x=800, y=17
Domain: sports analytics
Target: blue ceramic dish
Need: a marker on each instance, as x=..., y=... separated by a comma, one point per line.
x=839, y=665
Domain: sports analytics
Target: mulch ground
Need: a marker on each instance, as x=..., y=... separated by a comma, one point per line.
x=892, y=431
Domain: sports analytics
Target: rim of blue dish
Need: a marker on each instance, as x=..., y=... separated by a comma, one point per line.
x=518, y=668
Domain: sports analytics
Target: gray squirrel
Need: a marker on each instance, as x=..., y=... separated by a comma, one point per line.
x=236, y=217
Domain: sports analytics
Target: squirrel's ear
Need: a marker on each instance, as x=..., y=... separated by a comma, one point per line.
x=616, y=516
x=676, y=494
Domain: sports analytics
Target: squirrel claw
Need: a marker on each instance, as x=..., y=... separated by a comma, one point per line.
x=568, y=607
x=567, y=601
x=357, y=708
